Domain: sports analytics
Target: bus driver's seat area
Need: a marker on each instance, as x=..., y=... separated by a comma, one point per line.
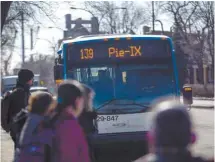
x=104, y=77
x=101, y=76
x=104, y=82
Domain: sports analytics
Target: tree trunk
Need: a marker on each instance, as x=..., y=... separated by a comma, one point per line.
x=5, y=6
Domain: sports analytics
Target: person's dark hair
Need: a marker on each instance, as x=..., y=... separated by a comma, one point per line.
x=87, y=92
x=68, y=92
x=24, y=76
x=172, y=125
x=40, y=102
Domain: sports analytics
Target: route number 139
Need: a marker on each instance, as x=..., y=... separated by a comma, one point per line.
x=86, y=53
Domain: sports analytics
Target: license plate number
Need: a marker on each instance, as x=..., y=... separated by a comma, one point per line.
x=107, y=118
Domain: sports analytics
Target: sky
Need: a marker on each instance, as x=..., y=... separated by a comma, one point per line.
x=47, y=37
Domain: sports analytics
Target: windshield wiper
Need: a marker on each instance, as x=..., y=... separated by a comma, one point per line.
x=134, y=103
x=107, y=103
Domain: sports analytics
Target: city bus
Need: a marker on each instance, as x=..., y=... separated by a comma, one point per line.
x=127, y=72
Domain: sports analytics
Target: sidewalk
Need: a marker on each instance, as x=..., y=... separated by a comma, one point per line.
x=201, y=103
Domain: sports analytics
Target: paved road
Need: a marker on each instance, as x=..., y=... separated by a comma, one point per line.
x=204, y=125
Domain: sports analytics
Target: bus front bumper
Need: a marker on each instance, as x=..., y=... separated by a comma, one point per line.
x=115, y=141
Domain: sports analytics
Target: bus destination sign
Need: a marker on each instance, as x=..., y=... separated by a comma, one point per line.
x=118, y=50
x=131, y=51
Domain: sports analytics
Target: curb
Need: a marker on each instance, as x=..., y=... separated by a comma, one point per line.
x=200, y=98
x=202, y=107
x=204, y=99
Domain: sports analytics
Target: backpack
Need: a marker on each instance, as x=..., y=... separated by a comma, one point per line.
x=18, y=122
x=5, y=117
x=41, y=146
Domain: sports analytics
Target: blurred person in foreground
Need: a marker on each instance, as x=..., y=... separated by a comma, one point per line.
x=70, y=141
x=86, y=119
x=171, y=135
x=88, y=114
x=34, y=135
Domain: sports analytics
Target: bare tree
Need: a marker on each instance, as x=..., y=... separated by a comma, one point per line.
x=206, y=13
x=43, y=65
x=120, y=17
x=193, y=22
x=32, y=10
x=7, y=54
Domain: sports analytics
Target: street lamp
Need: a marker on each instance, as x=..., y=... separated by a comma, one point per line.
x=55, y=27
x=161, y=25
x=171, y=29
x=51, y=43
x=44, y=40
x=75, y=8
x=52, y=27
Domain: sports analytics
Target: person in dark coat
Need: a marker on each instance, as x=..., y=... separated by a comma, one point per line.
x=19, y=97
x=171, y=135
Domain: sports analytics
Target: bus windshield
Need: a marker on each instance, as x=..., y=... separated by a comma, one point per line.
x=139, y=83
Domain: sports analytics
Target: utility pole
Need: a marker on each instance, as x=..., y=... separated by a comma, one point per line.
x=31, y=39
x=23, y=38
x=54, y=45
x=153, y=17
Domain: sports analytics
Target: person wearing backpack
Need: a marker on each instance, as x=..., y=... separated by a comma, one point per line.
x=36, y=138
x=171, y=135
x=14, y=102
x=70, y=141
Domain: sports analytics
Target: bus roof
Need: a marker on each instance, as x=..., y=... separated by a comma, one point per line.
x=98, y=37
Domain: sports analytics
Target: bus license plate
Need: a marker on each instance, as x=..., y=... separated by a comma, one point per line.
x=107, y=118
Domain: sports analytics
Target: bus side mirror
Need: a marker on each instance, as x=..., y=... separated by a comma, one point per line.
x=187, y=95
x=58, y=72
